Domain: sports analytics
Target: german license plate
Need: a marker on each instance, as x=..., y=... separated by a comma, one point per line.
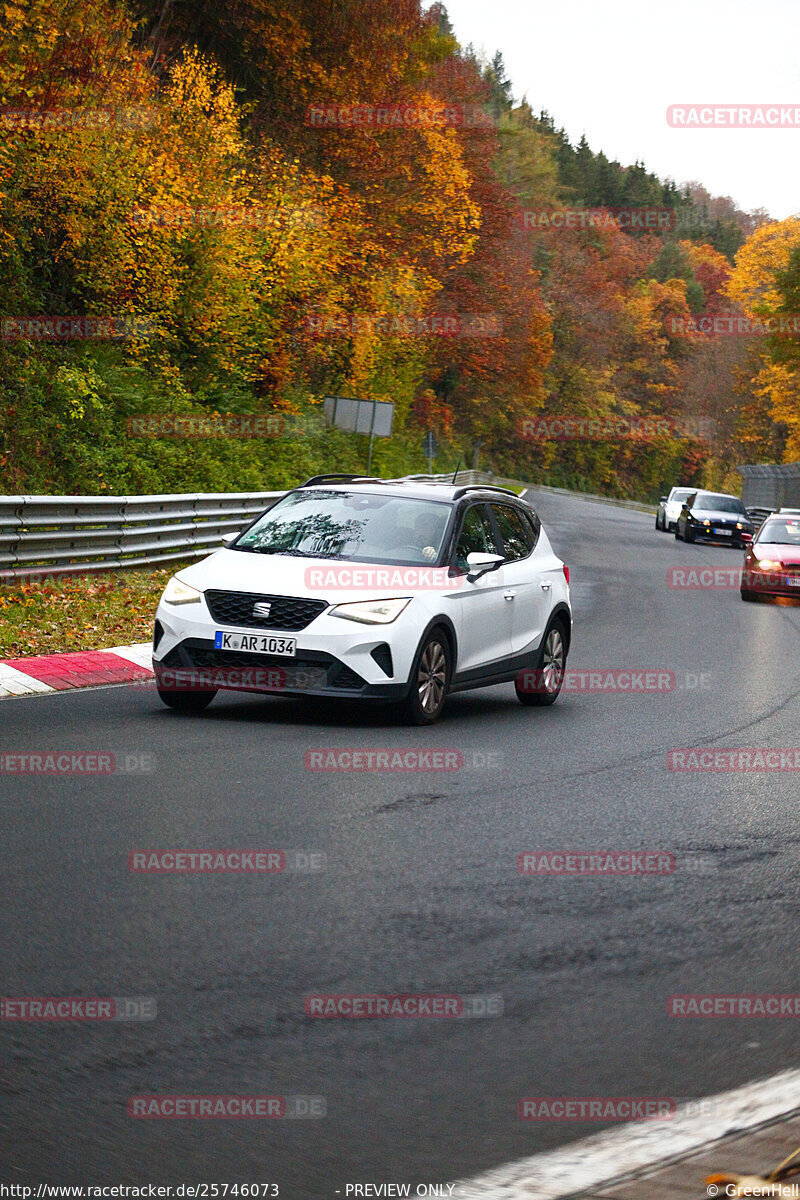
x=256, y=643
x=723, y=532
x=793, y=580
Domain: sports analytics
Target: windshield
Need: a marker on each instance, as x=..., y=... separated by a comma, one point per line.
x=679, y=495
x=353, y=526
x=715, y=503
x=780, y=533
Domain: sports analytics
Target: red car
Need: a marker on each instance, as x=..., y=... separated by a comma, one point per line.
x=772, y=561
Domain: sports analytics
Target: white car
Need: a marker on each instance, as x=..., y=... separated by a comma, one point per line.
x=386, y=590
x=669, y=508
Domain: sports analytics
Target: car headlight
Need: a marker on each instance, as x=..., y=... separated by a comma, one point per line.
x=769, y=564
x=371, y=612
x=706, y=521
x=178, y=592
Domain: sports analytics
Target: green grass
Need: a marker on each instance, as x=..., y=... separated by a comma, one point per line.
x=86, y=612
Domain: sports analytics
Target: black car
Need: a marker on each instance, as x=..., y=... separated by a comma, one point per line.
x=716, y=517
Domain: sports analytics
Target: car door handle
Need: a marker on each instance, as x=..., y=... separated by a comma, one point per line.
x=546, y=586
x=509, y=595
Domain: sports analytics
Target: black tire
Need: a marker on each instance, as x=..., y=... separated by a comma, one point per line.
x=659, y=526
x=430, y=680
x=677, y=532
x=688, y=535
x=550, y=667
x=746, y=594
x=187, y=702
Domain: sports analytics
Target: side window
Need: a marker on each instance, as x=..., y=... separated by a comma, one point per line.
x=535, y=524
x=514, y=532
x=476, y=536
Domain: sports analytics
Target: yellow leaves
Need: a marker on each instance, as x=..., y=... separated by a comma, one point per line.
x=766, y=251
x=203, y=107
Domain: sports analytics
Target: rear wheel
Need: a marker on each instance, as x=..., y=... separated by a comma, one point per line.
x=430, y=680
x=187, y=702
x=549, y=671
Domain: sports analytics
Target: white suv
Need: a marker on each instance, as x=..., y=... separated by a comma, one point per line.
x=390, y=590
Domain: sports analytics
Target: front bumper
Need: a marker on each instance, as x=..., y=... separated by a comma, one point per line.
x=770, y=583
x=196, y=665
x=732, y=537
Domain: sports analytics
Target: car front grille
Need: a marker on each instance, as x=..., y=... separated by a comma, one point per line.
x=285, y=612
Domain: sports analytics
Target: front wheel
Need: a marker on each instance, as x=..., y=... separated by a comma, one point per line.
x=187, y=702
x=430, y=680
x=677, y=532
x=549, y=675
x=688, y=535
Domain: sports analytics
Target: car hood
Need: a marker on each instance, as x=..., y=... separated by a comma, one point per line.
x=778, y=550
x=714, y=514
x=332, y=580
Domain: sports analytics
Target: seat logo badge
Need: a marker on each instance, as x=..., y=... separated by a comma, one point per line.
x=262, y=608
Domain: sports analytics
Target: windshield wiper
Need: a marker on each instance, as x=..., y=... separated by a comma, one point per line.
x=273, y=550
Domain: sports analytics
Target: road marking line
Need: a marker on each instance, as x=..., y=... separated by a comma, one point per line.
x=602, y=1158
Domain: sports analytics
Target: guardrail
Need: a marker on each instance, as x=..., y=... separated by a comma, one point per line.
x=57, y=535
x=759, y=515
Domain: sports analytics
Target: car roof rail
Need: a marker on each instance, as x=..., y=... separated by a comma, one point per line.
x=315, y=479
x=483, y=487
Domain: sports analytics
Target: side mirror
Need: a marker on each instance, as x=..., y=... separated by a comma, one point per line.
x=227, y=538
x=662, y=499
x=482, y=564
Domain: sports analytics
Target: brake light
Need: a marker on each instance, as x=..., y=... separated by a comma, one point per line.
x=565, y=569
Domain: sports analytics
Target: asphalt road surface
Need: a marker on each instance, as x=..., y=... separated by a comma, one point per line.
x=421, y=894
